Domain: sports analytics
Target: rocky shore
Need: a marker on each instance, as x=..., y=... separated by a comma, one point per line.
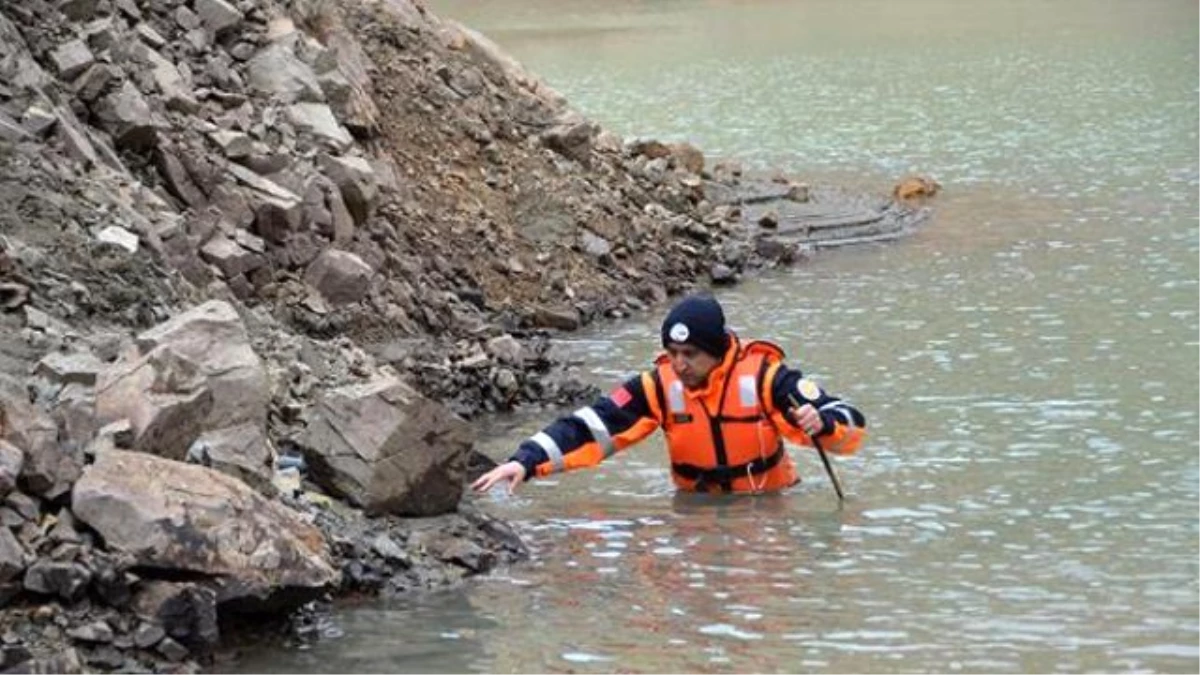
x=261, y=261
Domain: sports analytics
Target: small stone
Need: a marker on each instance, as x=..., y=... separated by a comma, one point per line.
x=147, y=635
x=769, y=220
x=186, y=18
x=120, y=237
x=171, y=649
x=149, y=35
x=99, y=632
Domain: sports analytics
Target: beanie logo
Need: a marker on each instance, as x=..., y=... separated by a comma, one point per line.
x=679, y=333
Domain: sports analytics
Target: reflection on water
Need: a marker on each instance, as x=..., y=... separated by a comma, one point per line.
x=1028, y=498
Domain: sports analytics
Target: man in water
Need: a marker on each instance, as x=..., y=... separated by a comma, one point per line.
x=725, y=406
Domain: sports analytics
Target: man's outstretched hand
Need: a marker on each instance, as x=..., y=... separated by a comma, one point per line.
x=512, y=473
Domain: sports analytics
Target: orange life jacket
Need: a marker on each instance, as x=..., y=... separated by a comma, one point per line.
x=722, y=438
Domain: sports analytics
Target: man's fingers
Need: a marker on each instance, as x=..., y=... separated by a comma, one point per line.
x=485, y=482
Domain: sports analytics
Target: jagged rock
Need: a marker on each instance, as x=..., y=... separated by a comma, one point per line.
x=177, y=179
x=37, y=121
x=388, y=449
x=66, y=580
x=340, y=276
x=230, y=257
x=572, y=140
x=277, y=72
x=95, y=632
x=126, y=115
x=150, y=36
x=560, y=318
x=63, y=368
x=688, y=157
x=93, y=82
x=65, y=660
x=50, y=469
x=240, y=451
x=233, y=144
x=318, y=120
x=217, y=15
x=12, y=556
x=356, y=179
x=194, y=373
x=186, y=518
x=72, y=58
x=11, y=460
x=506, y=349
x=185, y=611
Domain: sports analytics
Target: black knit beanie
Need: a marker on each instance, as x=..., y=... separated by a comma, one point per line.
x=697, y=320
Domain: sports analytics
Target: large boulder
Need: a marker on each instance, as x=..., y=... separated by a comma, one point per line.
x=388, y=449
x=194, y=374
x=187, y=519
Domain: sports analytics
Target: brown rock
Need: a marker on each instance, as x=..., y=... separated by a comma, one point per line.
x=388, y=449
x=916, y=187
x=186, y=518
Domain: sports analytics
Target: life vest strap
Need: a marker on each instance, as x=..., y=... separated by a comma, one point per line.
x=721, y=474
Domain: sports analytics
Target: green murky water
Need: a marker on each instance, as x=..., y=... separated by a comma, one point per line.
x=1028, y=500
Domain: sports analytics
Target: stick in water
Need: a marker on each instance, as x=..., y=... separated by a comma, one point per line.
x=833, y=477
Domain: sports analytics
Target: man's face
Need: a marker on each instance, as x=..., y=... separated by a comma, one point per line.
x=691, y=364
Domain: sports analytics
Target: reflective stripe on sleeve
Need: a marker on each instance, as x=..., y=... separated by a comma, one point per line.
x=837, y=408
x=599, y=431
x=552, y=450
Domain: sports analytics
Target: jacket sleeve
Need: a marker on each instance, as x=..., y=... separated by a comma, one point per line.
x=593, y=433
x=843, y=427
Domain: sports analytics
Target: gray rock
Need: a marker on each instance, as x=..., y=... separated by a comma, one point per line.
x=218, y=16
x=72, y=58
x=12, y=459
x=12, y=555
x=594, y=245
x=38, y=121
x=63, y=368
x=552, y=317
x=318, y=119
x=356, y=180
x=572, y=140
x=126, y=115
x=149, y=35
x=233, y=144
x=147, y=635
x=240, y=451
x=229, y=257
x=65, y=580
x=78, y=10
x=340, y=276
x=181, y=517
x=177, y=179
x=506, y=349
x=93, y=82
x=388, y=449
x=185, y=611
x=96, y=632
x=276, y=71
